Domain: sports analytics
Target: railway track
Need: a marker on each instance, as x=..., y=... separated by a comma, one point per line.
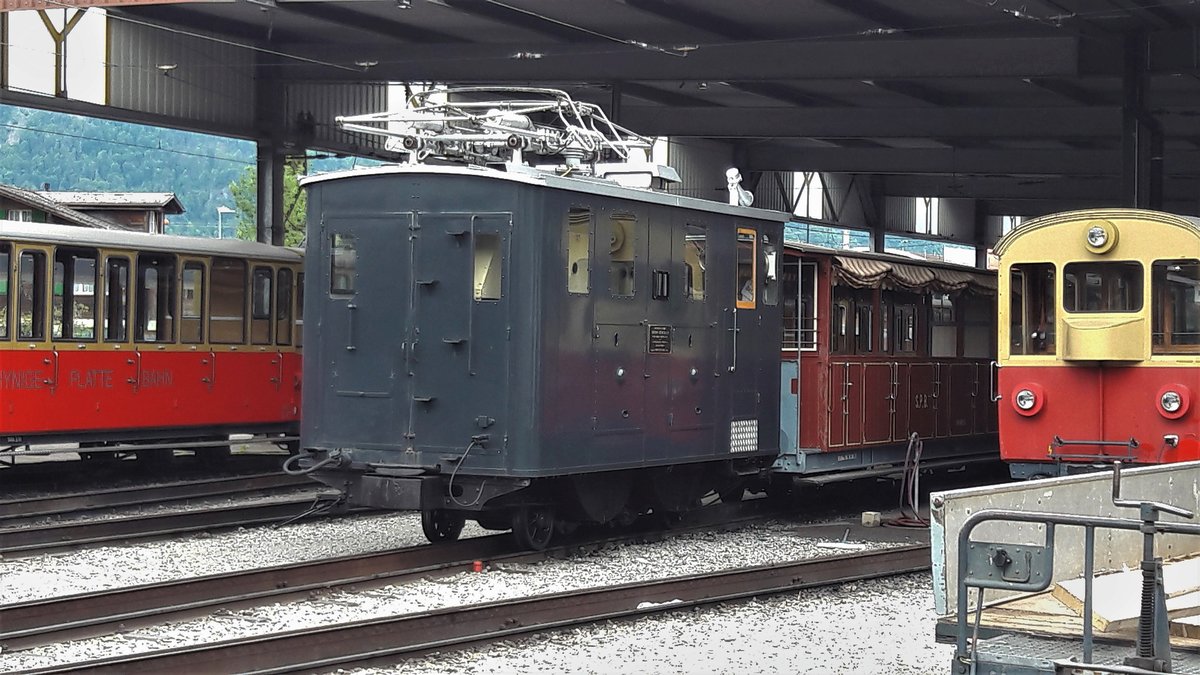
x=27, y=541
x=17, y=511
x=38, y=622
x=387, y=639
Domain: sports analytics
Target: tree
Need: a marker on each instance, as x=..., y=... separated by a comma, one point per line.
x=295, y=203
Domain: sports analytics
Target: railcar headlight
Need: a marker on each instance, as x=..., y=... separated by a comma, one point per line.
x=1096, y=236
x=1171, y=401
x=1026, y=399
x=1101, y=236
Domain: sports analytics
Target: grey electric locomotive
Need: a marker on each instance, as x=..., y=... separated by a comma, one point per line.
x=532, y=348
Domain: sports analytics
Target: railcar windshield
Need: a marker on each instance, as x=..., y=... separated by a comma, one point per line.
x=1102, y=287
x=1031, y=317
x=1175, y=290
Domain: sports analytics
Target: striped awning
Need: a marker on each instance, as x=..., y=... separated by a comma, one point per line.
x=874, y=273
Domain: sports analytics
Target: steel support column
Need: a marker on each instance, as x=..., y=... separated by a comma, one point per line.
x=271, y=161
x=1141, y=135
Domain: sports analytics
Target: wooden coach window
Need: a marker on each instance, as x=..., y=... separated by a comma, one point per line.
x=842, y=323
x=116, y=299
x=227, y=295
x=154, y=306
x=1175, y=290
x=191, y=322
x=74, y=314
x=5, y=279
x=578, y=238
x=283, y=307
x=695, y=247
x=31, y=298
x=260, y=306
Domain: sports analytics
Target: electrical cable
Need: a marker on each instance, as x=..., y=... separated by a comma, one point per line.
x=450, y=483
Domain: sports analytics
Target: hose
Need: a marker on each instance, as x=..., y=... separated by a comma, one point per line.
x=334, y=456
x=910, y=487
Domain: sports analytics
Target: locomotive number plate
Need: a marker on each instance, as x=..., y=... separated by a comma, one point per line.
x=658, y=340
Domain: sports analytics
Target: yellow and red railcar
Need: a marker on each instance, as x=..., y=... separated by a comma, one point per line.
x=124, y=341
x=1099, y=341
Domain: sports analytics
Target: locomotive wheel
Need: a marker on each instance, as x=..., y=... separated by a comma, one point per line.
x=441, y=524
x=533, y=526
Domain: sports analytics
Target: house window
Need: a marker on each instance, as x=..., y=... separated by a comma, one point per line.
x=23, y=215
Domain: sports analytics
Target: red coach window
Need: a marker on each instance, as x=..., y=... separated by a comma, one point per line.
x=227, y=317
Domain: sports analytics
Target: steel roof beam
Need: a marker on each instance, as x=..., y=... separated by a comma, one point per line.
x=529, y=21
x=697, y=18
x=785, y=94
x=348, y=18
x=883, y=59
x=876, y=12
x=918, y=92
x=1021, y=187
x=668, y=97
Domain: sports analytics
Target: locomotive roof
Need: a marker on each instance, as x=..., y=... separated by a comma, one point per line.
x=532, y=176
x=1185, y=222
x=44, y=233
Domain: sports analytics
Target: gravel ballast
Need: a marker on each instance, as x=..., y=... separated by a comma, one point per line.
x=882, y=626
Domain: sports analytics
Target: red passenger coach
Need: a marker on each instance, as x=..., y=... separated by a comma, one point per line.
x=131, y=342
x=880, y=348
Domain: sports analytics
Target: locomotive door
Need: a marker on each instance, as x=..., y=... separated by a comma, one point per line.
x=358, y=340
x=458, y=345
x=742, y=329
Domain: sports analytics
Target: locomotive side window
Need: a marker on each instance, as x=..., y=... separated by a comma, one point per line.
x=116, y=299
x=227, y=318
x=746, y=260
x=283, y=307
x=154, y=306
x=489, y=266
x=73, y=316
x=621, y=247
x=1102, y=287
x=578, y=239
x=31, y=301
x=343, y=259
x=5, y=277
x=770, y=292
x=1032, y=311
x=191, y=324
x=1176, y=296
x=695, y=246
x=260, y=307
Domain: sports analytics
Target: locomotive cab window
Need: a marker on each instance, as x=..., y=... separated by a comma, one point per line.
x=746, y=261
x=155, y=299
x=343, y=258
x=489, y=266
x=1031, y=317
x=31, y=298
x=621, y=247
x=191, y=322
x=578, y=242
x=770, y=258
x=260, y=306
x=116, y=299
x=227, y=314
x=74, y=314
x=1102, y=287
x=695, y=246
x=1175, y=290
x=5, y=278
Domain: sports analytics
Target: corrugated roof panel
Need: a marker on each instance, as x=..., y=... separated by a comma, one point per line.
x=325, y=101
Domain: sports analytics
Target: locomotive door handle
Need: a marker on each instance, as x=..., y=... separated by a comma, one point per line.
x=350, y=308
x=734, y=330
x=993, y=385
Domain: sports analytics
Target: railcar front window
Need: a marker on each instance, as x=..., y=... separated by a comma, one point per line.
x=578, y=237
x=1175, y=293
x=695, y=247
x=116, y=299
x=5, y=276
x=227, y=318
x=155, y=305
x=746, y=290
x=343, y=261
x=489, y=266
x=191, y=324
x=1031, y=315
x=74, y=316
x=622, y=244
x=31, y=303
x=1102, y=287
x=283, y=307
x=260, y=307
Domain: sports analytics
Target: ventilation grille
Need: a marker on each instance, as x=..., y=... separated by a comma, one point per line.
x=743, y=436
